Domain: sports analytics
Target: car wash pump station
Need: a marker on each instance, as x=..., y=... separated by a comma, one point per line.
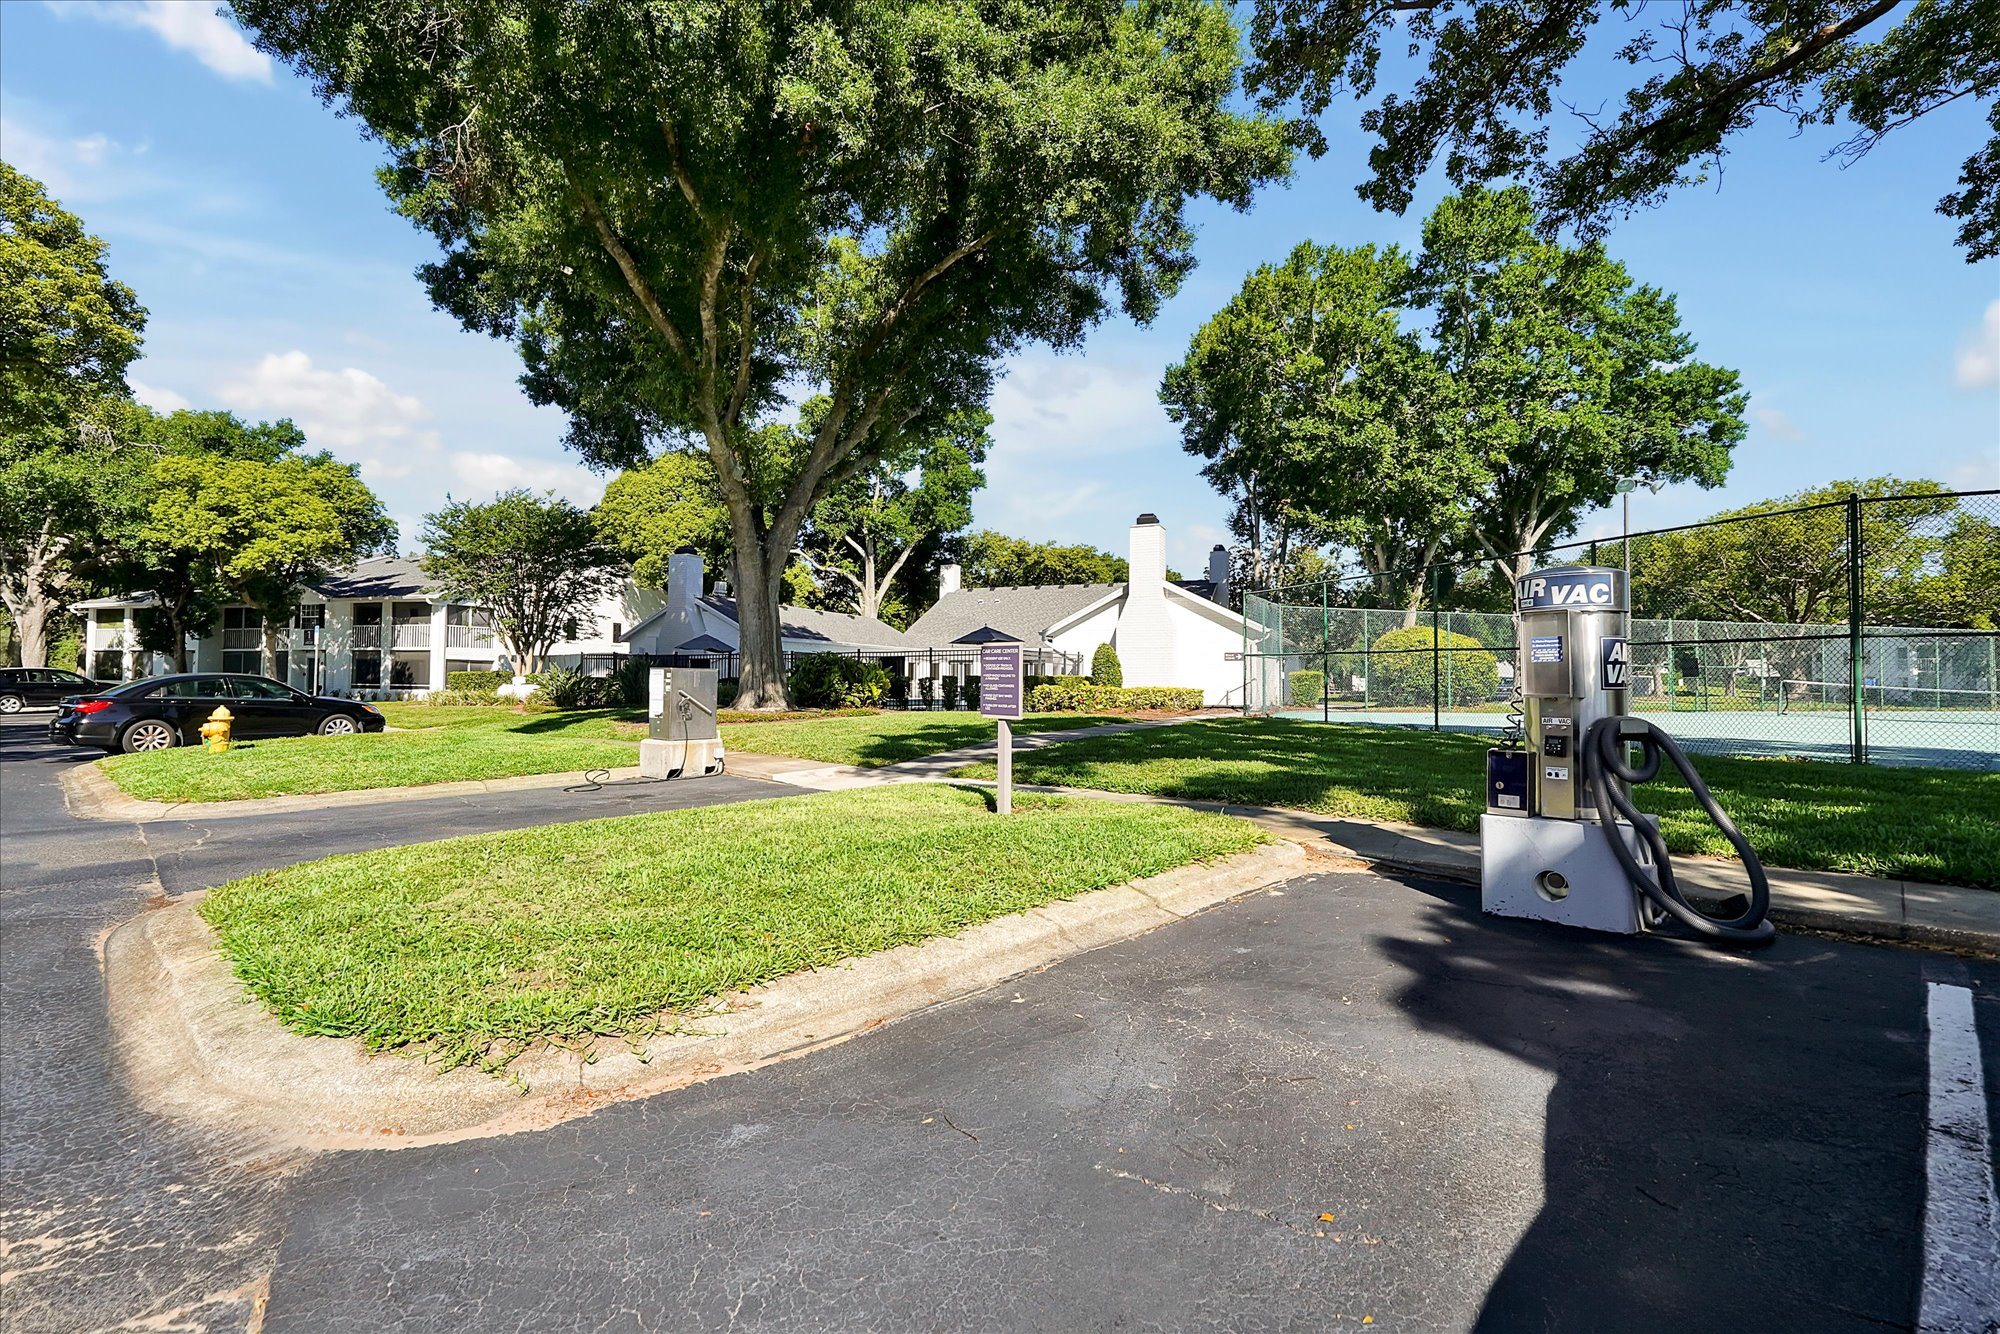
x=1561, y=840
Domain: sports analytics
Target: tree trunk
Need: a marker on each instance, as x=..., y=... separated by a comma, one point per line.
x=270, y=654
x=31, y=626
x=759, y=579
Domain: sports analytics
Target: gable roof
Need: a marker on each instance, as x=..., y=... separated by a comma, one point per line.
x=378, y=577
x=832, y=627
x=1024, y=611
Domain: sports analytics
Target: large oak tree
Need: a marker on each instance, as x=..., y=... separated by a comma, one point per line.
x=681, y=208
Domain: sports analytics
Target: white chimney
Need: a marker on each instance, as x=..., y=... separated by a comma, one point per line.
x=684, y=572
x=950, y=577
x=1218, y=575
x=1145, y=633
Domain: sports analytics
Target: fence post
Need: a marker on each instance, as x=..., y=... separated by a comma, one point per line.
x=1856, y=705
x=1325, y=676
x=1437, y=675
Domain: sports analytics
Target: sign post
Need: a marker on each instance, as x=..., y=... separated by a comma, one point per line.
x=1000, y=700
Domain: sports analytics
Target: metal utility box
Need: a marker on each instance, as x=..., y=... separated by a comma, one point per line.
x=681, y=739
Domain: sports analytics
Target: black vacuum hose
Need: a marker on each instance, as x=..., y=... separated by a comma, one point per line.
x=1606, y=769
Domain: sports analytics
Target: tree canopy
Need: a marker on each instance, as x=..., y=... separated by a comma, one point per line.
x=536, y=562
x=995, y=560
x=1491, y=73
x=649, y=513
x=67, y=332
x=682, y=210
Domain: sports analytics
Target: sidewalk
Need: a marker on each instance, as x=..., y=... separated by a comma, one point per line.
x=1942, y=916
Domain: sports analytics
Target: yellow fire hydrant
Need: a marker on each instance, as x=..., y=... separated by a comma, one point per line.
x=215, y=732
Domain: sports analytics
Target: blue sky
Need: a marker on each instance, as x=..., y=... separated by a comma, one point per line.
x=247, y=217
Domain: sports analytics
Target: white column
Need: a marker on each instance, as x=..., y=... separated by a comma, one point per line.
x=131, y=644
x=336, y=649
x=438, y=632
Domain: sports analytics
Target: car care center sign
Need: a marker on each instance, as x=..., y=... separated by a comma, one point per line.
x=1000, y=681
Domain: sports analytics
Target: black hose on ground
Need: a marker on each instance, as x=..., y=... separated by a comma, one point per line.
x=1607, y=770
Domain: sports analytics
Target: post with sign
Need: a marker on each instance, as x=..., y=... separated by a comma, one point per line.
x=1000, y=699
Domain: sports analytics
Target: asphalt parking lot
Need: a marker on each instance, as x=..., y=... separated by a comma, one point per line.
x=1351, y=1102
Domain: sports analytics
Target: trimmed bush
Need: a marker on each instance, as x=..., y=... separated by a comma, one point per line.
x=951, y=686
x=835, y=681
x=478, y=680
x=1074, y=694
x=1105, y=669
x=458, y=697
x=567, y=688
x=927, y=687
x=725, y=694
x=1307, y=688
x=633, y=683
x=1399, y=669
x=972, y=692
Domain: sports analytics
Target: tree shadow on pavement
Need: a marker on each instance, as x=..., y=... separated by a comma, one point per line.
x=1731, y=1141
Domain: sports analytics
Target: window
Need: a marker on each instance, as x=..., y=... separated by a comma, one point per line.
x=256, y=687
x=108, y=665
x=108, y=616
x=367, y=671
x=368, y=613
x=569, y=628
x=247, y=661
x=617, y=629
x=194, y=687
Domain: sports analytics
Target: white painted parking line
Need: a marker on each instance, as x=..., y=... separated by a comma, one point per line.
x=1961, y=1215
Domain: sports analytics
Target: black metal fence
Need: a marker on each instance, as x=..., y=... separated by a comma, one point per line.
x=1862, y=629
x=917, y=677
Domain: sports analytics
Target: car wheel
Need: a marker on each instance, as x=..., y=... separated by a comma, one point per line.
x=148, y=734
x=10, y=704
x=338, y=724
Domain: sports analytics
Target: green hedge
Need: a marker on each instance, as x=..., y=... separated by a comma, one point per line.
x=487, y=681
x=1073, y=694
x=1307, y=688
x=836, y=681
x=1105, y=669
x=1400, y=669
x=455, y=697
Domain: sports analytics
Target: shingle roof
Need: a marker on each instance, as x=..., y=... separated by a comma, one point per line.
x=1023, y=612
x=379, y=577
x=833, y=627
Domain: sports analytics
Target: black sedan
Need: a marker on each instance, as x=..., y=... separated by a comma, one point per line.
x=164, y=711
x=39, y=687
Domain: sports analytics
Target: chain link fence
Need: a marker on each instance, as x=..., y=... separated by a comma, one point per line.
x=1862, y=629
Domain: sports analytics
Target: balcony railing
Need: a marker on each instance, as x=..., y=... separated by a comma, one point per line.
x=368, y=636
x=238, y=640
x=468, y=636
x=410, y=634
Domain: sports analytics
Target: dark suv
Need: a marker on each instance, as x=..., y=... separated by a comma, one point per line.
x=164, y=711
x=39, y=687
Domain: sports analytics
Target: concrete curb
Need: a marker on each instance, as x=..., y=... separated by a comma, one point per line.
x=91, y=795
x=193, y=1046
x=1948, y=917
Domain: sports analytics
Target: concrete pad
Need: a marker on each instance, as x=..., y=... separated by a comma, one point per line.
x=192, y=1045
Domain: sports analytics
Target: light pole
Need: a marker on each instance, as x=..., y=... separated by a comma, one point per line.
x=1625, y=487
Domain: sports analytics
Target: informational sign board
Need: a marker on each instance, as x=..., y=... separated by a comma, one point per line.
x=1000, y=680
x=1232, y=656
x=1615, y=665
x=1545, y=648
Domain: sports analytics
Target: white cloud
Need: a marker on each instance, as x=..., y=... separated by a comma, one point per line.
x=1061, y=405
x=491, y=473
x=1777, y=423
x=157, y=398
x=193, y=26
x=348, y=411
x=1979, y=353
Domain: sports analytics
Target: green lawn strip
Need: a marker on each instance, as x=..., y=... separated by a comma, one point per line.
x=474, y=947
x=1921, y=824
x=888, y=738
x=506, y=746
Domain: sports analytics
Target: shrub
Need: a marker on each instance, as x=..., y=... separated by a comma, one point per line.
x=835, y=681
x=634, y=683
x=725, y=694
x=1105, y=669
x=1399, y=669
x=899, y=690
x=458, y=696
x=487, y=681
x=568, y=688
x=951, y=686
x=971, y=692
x=927, y=687
x=1307, y=688
x=1073, y=694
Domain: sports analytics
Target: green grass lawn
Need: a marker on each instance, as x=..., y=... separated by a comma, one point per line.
x=887, y=738
x=455, y=744
x=472, y=948
x=1923, y=824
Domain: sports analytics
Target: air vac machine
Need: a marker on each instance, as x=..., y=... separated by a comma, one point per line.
x=1561, y=840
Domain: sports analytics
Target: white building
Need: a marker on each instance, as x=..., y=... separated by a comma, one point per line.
x=379, y=629
x=690, y=622
x=1167, y=633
